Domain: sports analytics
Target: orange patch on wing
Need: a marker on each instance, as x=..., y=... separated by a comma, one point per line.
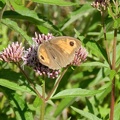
x=65, y=45
x=43, y=53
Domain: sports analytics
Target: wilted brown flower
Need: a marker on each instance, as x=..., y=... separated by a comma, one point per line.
x=13, y=53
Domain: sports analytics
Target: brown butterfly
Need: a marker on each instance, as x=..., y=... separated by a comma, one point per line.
x=58, y=52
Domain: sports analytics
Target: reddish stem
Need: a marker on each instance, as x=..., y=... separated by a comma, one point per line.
x=113, y=81
x=105, y=37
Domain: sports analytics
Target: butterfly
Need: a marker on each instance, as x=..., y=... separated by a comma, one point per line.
x=58, y=52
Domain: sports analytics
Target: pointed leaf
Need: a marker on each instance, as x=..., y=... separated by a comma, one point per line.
x=76, y=92
x=13, y=25
x=15, y=86
x=88, y=115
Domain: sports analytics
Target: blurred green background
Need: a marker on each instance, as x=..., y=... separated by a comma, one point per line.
x=19, y=20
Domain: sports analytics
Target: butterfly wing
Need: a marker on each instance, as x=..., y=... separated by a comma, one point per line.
x=44, y=55
x=58, y=57
x=66, y=46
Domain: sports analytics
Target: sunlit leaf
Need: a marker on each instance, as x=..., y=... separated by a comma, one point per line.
x=55, y=2
x=76, y=92
x=63, y=104
x=15, y=86
x=88, y=115
x=116, y=112
x=13, y=25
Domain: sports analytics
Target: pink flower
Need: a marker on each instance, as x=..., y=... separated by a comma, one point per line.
x=13, y=53
x=80, y=56
x=100, y=5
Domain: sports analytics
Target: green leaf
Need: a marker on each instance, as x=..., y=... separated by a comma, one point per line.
x=25, y=11
x=89, y=105
x=15, y=101
x=107, y=91
x=28, y=115
x=15, y=86
x=13, y=25
x=43, y=29
x=117, y=23
x=3, y=1
x=111, y=13
x=55, y=2
x=20, y=101
x=109, y=34
x=97, y=50
x=86, y=8
x=10, y=75
x=112, y=74
x=69, y=118
x=1, y=4
x=117, y=112
x=30, y=15
x=97, y=64
x=117, y=53
x=77, y=33
x=37, y=102
x=62, y=105
x=76, y=92
x=49, y=117
x=88, y=115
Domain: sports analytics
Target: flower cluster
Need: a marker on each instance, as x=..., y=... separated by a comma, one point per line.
x=100, y=5
x=80, y=56
x=13, y=53
x=30, y=57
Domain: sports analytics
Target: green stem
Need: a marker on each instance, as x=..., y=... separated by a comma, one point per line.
x=56, y=84
x=2, y=11
x=29, y=81
x=116, y=4
x=110, y=9
x=105, y=38
x=113, y=81
x=42, y=111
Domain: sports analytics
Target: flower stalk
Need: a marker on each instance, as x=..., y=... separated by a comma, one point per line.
x=113, y=81
x=29, y=81
x=56, y=84
x=105, y=37
x=42, y=111
x=112, y=8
